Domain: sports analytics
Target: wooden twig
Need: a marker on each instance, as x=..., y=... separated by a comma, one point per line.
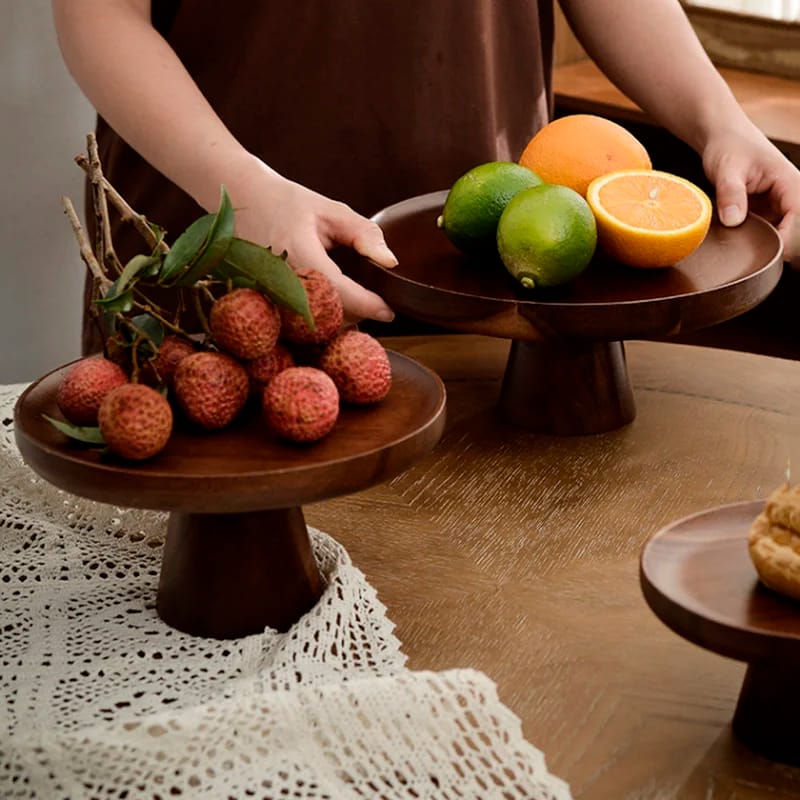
x=85, y=248
x=127, y=214
x=105, y=246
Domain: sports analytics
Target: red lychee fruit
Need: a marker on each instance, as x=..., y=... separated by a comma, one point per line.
x=211, y=388
x=326, y=311
x=245, y=323
x=135, y=421
x=263, y=370
x=301, y=404
x=84, y=386
x=359, y=366
x=170, y=353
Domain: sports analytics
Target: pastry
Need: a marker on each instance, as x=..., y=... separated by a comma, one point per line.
x=774, y=542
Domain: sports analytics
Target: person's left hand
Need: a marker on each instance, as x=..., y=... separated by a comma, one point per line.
x=749, y=172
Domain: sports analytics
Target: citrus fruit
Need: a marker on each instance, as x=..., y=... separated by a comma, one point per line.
x=576, y=149
x=476, y=201
x=648, y=218
x=546, y=236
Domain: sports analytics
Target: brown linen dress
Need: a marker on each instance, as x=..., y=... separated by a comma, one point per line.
x=366, y=101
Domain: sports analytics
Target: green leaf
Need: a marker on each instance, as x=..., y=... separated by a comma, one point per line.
x=149, y=327
x=138, y=264
x=217, y=243
x=186, y=249
x=270, y=272
x=87, y=435
x=116, y=302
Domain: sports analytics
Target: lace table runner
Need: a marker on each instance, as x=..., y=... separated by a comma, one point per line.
x=100, y=699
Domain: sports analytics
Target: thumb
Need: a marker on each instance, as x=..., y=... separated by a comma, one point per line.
x=731, y=202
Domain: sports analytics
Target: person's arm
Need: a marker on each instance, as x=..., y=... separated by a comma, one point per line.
x=137, y=83
x=650, y=51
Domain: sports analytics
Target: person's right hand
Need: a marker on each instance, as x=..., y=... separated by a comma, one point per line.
x=285, y=216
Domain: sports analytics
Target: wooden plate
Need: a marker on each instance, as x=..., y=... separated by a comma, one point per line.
x=697, y=577
x=243, y=467
x=732, y=271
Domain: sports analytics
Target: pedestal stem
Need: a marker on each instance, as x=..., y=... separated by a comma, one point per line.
x=567, y=386
x=230, y=575
x=767, y=711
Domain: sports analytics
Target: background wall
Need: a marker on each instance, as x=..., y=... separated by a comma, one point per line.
x=44, y=124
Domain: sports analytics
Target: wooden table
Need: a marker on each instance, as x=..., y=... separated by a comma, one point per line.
x=517, y=554
x=772, y=102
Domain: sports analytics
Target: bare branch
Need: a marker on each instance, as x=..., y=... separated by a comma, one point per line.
x=127, y=214
x=85, y=248
x=105, y=246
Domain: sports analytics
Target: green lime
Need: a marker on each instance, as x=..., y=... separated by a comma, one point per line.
x=476, y=201
x=546, y=236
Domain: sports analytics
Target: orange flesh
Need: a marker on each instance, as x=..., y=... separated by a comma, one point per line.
x=651, y=203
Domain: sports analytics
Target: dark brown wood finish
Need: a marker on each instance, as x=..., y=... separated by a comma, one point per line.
x=237, y=556
x=581, y=326
x=243, y=467
x=697, y=576
x=518, y=554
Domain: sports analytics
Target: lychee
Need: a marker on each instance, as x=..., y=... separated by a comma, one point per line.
x=211, y=388
x=135, y=421
x=84, y=386
x=171, y=352
x=262, y=370
x=359, y=366
x=245, y=323
x=326, y=311
x=301, y=404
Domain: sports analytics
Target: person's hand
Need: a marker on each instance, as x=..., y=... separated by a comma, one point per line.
x=286, y=216
x=748, y=171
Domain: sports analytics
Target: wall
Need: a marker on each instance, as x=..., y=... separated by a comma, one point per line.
x=44, y=123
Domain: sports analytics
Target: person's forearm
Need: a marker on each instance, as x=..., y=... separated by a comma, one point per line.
x=136, y=82
x=649, y=50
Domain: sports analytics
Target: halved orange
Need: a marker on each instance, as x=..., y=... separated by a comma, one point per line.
x=648, y=218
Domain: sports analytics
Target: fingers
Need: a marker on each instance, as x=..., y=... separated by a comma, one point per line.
x=369, y=242
x=731, y=201
x=359, y=303
x=789, y=230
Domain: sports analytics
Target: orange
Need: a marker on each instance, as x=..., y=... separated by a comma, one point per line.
x=647, y=218
x=576, y=149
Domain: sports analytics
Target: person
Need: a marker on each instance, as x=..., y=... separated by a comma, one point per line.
x=316, y=115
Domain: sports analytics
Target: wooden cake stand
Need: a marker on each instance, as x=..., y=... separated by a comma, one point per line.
x=697, y=577
x=566, y=371
x=237, y=556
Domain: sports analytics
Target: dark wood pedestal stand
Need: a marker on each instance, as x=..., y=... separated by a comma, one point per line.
x=566, y=372
x=697, y=577
x=237, y=557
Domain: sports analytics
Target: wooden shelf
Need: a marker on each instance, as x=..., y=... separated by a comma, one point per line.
x=772, y=102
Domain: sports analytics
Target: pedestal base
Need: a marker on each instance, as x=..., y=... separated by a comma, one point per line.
x=231, y=575
x=567, y=387
x=768, y=710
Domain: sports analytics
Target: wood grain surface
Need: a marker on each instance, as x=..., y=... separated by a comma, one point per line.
x=771, y=101
x=517, y=554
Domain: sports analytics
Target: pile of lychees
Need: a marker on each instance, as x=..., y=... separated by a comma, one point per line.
x=262, y=334
x=299, y=375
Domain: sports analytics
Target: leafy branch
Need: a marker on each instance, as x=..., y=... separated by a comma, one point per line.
x=205, y=255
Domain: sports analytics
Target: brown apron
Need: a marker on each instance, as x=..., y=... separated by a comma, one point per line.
x=366, y=101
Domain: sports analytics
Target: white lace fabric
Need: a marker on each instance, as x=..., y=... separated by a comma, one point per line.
x=103, y=701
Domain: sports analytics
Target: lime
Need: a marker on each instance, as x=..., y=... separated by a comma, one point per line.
x=546, y=236
x=476, y=201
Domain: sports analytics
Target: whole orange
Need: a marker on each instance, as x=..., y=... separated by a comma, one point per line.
x=574, y=150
